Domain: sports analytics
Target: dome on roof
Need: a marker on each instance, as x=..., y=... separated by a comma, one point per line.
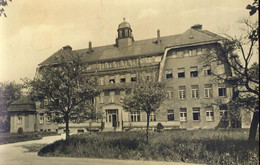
x=124, y=25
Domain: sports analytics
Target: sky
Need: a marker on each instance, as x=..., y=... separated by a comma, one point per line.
x=35, y=29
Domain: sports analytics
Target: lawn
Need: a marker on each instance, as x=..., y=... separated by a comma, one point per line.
x=196, y=146
x=6, y=138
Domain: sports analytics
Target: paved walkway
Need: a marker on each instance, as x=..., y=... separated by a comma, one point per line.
x=15, y=154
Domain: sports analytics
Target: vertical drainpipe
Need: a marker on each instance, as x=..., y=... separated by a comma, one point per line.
x=162, y=64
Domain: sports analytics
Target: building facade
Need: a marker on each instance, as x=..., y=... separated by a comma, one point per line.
x=175, y=59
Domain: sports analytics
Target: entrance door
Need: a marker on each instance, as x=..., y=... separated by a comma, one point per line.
x=114, y=120
x=111, y=117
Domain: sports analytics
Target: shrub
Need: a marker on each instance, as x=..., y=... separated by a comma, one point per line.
x=159, y=127
x=197, y=146
x=20, y=130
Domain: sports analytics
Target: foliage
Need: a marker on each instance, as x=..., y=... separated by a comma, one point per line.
x=196, y=146
x=66, y=88
x=254, y=7
x=146, y=96
x=3, y=3
x=241, y=73
x=9, y=92
x=159, y=127
x=20, y=130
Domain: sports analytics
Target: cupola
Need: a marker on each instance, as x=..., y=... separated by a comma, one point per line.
x=124, y=34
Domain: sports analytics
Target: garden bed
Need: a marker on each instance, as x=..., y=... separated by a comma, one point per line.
x=197, y=146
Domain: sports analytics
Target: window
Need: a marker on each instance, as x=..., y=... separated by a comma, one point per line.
x=209, y=114
x=194, y=71
x=57, y=102
x=194, y=91
x=170, y=94
x=48, y=119
x=193, y=52
x=117, y=92
x=208, y=90
x=183, y=114
x=207, y=70
x=170, y=115
x=180, y=53
x=101, y=81
x=41, y=118
x=45, y=102
x=19, y=119
x=152, y=117
x=133, y=79
x=114, y=64
x=196, y=113
x=122, y=95
x=122, y=80
x=181, y=72
x=135, y=116
x=168, y=73
x=223, y=112
x=112, y=97
x=222, y=90
x=182, y=92
x=112, y=80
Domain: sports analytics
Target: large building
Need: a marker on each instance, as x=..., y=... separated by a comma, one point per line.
x=175, y=59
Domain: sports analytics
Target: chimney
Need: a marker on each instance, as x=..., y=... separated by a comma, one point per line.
x=158, y=36
x=197, y=27
x=90, y=47
x=67, y=48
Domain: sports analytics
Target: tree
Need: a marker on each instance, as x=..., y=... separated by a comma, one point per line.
x=236, y=54
x=9, y=92
x=67, y=88
x=3, y=3
x=146, y=96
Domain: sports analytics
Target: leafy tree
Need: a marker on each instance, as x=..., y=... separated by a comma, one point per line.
x=236, y=54
x=254, y=7
x=9, y=92
x=67, y=88
x=3, y=3
x=146, y=96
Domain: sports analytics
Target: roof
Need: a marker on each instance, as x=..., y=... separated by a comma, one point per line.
x=124, y=25
x=21, y=105
x=139, y=48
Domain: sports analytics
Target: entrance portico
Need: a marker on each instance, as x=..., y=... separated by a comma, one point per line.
x=113, y=117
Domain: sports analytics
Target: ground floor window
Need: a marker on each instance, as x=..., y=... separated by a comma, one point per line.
x=135, y=116
x=152, y=117
x=111, y=115
x=183, y=114
x=41, y=119
x=170, y=115
x=196, y=113
x=19, y=119
x=223, y=112
x=209, y=115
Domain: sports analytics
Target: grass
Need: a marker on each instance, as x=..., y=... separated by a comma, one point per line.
x=34, y=147
x=6, y=138
x=197, y=146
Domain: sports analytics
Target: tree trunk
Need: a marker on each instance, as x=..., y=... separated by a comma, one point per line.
x=253, y=127
x=147, y=127
x=67, y=126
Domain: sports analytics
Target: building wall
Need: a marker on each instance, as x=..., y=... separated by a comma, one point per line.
x=26, y=122
x=173, y=62
x=44, y=122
